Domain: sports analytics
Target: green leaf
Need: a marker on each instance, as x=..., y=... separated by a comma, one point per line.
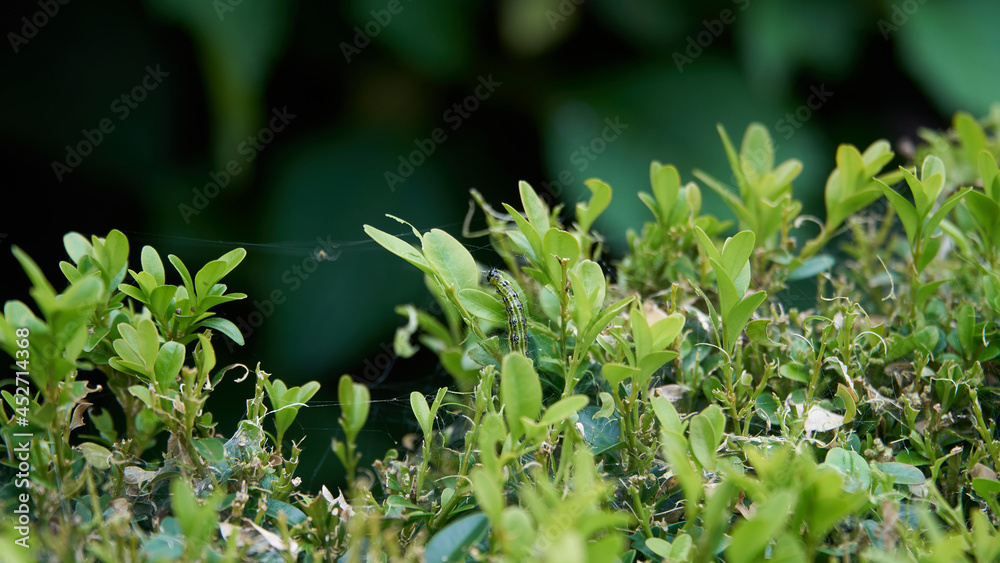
x=924, y=293
x=581, y=306
x=757, y=332
x=666, y=183
x=293, y=515
x=491, y=430
x=703, y=441
x=84, y=293
x=451, y=260
x=602, y=321
x=185, y=275
x=96, y=455
x=736, y=251
x=650, y=364
x=483, y=305
x=852, y=466
x=152, y=264
x=126, y=366
x=147, y=342
x=642, y=339
x=907, y=213
x=204, y=355
x=965, y=320
x=692, y=195
x=212, y=449
x=587, y=213
x=911, y=458
x=561, y=244
x=658, y=546
x=591, y=276
x=989, y=171
x=986, y=488
x=734, y=162
x=733, y=202
x=850, y=409
x=985, y=211
x=116, y=247
x=563, y=409
x=43, y=291
x=142, y=393
x=207, y=277
x=812, y=267
x=756, y=152
x=225, y=326
x=737, y=319
x=932, y=176
x=600, y=434
x=751, y=537
x=715, y=416
x=487, y=492
x=400, y=248
x=520, y=390
x=77, y=246
x=707, y=246
x=531, y=236
x=518, y=531
x=291, y=401
x=355, y=400
x=973, y=138
x=168, y=364
x=779, y=181
x=902, y=473
x=70, y=271
x=675, y=450
x=767, y=407
x=423, y=413
x=534, y=208
x=667, y=414
x=945, y=208
x=665, y=330
x=453, y=542
x=617, y=373
x=607, y=405
x=159, y=300
x=233, y=259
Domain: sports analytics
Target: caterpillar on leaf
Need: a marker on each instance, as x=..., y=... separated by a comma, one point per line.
x=517, y=326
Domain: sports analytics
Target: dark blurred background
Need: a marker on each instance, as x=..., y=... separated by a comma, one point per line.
x=199, y=125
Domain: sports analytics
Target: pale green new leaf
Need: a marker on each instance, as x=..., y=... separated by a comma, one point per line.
x=907, y=213
x=453, y=263
x=534, y=207
x=737, y=319
x=587, y=213
x=520, y=390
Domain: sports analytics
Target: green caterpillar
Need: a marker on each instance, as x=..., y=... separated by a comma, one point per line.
x=517, y=326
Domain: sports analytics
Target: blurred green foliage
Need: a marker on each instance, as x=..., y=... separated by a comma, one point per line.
x=369, y=79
